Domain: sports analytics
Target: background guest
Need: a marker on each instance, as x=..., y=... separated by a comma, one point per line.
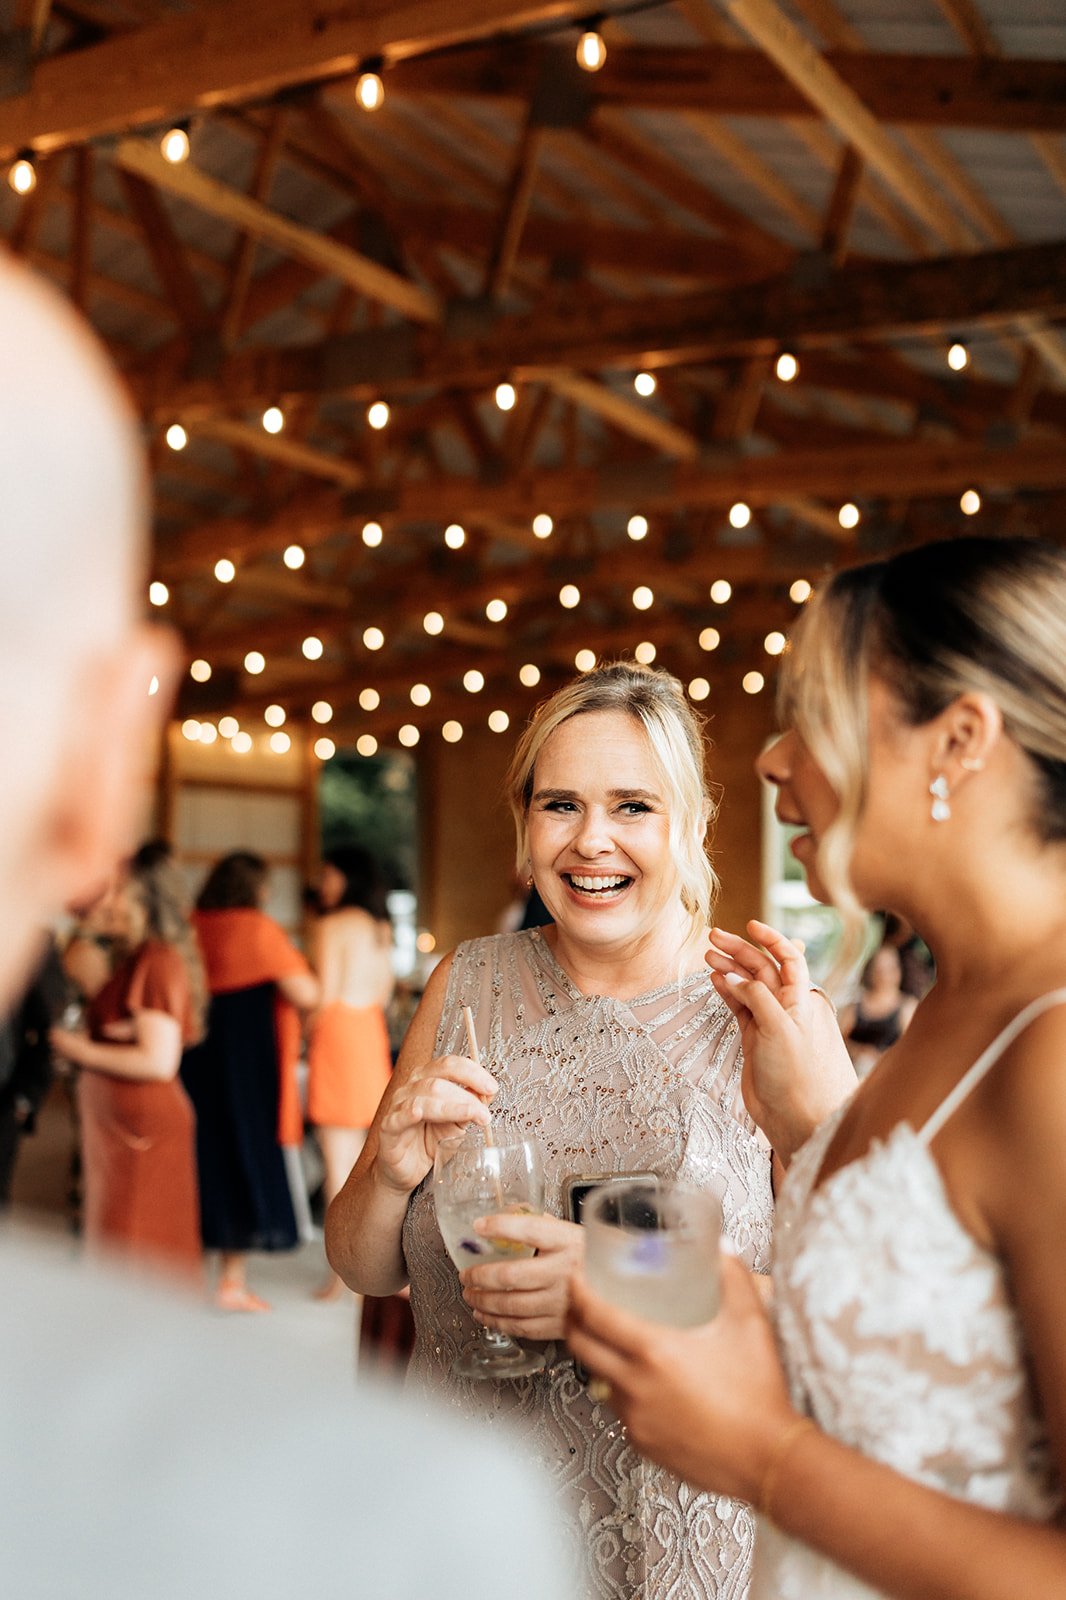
x=873, y=1023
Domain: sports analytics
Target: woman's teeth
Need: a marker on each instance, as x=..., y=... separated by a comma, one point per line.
x=597, y=885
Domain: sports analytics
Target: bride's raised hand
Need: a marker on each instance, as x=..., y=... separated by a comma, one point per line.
x=796, y=1067
x=435, y=1101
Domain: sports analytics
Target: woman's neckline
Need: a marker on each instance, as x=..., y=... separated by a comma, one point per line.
x=577, y=993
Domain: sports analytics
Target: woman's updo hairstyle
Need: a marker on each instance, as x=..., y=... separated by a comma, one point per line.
x=657, y=701
x=984, y=615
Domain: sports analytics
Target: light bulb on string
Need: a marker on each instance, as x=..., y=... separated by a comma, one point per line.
x=322, y=712
x=542, y=526
x=369, y=699
x=774, y=643
x=176, y=436
x=325, y=749
x=228, y=727
x=22, y=174
x=499, y=721
x=849, y=515
x=378, y=415
x=225, y=571
x=710, y=639
x=786, y=367
x=454, y=536
x=366, y=744
x=721, y=590
x=958, y=357
x=294, y=557
x=970, y=503
x=372, y=534
x=637, y=528
x=496, y=610
x=312, y=648
x=158, y=593
x=645, y=383
x=645, y=653
x=408, y=735
x=800, y=591
x=591, y=50
x=200, y=670
x=369, y=88
x=506, y=395
x=529, y=675
x=739, y=515
x=273, y=419
x=433, y=622
x=174, y=145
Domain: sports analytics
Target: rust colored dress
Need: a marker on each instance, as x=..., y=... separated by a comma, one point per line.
x=349, y=1065
x=138, y=1138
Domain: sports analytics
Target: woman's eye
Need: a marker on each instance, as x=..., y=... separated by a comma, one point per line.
x=635, y=808
x=559, y=805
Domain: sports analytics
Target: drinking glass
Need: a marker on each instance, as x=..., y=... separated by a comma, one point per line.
x=652, y=1248
x=472, y=1179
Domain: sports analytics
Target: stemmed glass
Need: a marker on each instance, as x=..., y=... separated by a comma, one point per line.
x=472, y=1179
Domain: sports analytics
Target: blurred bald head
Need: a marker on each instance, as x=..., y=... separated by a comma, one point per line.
x=74, y=667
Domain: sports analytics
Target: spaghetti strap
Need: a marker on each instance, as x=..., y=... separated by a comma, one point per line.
x=987, y=1060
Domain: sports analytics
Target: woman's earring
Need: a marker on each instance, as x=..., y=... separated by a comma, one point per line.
x=939, y=790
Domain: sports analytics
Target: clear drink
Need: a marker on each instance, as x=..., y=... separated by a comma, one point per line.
x=465, y=1245
x=653, y=1250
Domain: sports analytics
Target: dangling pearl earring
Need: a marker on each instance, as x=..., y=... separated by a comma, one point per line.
x=939, y=790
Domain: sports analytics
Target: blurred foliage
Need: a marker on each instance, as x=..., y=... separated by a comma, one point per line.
x=372, y=801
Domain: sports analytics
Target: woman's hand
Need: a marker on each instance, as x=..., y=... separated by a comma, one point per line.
x=526, y=1297
x=707, y=1403
x=68, y=1044
x=436, y=1101
x=796, y=1065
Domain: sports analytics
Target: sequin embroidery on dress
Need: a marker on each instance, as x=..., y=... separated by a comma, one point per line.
x=898, y=1336
x=651, y=1084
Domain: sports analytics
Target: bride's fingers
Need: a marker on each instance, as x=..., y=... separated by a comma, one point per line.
x=746, y=957
x=725, y=991
x=795, y=978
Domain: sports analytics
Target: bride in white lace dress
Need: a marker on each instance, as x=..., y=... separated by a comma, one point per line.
x=907, y=1435
x=603, y=1039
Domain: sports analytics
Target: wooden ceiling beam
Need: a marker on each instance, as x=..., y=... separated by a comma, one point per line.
x=941, y=91
x=629, y=416
x=805, y=308
x=275, y=447
x=229, y=52
x=243, y=212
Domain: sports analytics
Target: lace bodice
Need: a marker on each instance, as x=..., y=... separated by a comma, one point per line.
x=604, y=1086
x=899, y=1337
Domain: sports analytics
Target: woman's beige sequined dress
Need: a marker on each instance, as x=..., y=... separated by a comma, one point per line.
x=604, y=1086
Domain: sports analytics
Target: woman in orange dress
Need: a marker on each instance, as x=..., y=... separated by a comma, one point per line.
x=242, y=1078
x=137, y=1126
x=349, y=1059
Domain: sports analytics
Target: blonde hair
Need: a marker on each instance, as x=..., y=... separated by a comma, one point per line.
x=657, y=701
x=159, y=891
x=984, y=615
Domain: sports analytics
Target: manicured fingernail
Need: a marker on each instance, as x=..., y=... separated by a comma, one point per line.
x=732, y=977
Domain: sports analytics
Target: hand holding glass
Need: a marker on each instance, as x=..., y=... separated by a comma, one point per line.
x=652, y=1249
x=472, y=1179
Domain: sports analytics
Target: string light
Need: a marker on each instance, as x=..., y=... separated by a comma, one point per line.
x=242, y=743
x=452, y=732
x=228, y=727
x=569, y=596
x=970, y=504
x=499, y=721
x=425, y=944
x=645, y=383
x=369, y=88
x=637, y=528
x=373, y=638
x=325, y=749
x=643, y=597
x=542, y=526
x=322, y=711
x=454, y=536
x=191, y=728
x=254, y=662
x=506, y=395
x=22, y=174
x=787, y=367
x=274, y=716
x=645, y=653
x=473, y=681
x=200, y=670
x=225, y=571
x=312, y=648
x=699, y=689
x=849, y=515
x=294, y=557
x=433, y=622
x=739, y=515
x=496, y=610
x=280, y=743
x=174, y=145
x=585, y=660
x=273, y=419
x=369, y=699
x=710, y=639
x=800, y=591
x=591, y=50
x=158, y=593
x=721, y=591
x=208, y=733
x=408, y=736
x=958, y=357
x=774, y=643
x=421, y=694
x=752, y=682
x=529, y=675
x=378, y=415
x=372, y=535
x=176, y=436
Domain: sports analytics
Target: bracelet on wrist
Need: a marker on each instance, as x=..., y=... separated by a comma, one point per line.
x=782, y=1445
